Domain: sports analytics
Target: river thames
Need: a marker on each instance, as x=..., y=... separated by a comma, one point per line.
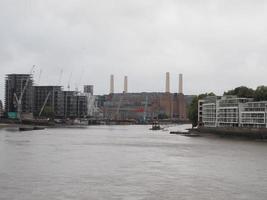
x=131, y=163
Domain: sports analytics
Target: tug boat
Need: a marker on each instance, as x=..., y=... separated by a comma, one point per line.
x=155, y=126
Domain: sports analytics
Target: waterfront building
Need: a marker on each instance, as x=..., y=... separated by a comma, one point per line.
x=207, y=111
x=227, y=111
x=231, y=111
x=70, y=104
x=253, y=114
x=145, y=105
x=180, y=106
x=142, y=106
x=75, y=105
x=92, y=109
x=48, y=101
x=19, y=86
x=82, y=102
x=1, y=109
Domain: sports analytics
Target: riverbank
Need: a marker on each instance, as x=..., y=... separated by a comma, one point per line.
x=249, y=133
x=4, y=125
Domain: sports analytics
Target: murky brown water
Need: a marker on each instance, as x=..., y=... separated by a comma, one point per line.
x=129, y=162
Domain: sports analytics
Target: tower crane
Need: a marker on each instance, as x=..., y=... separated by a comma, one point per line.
x=69, y=81
x=60, y=76
x=79, y=80
x=39, y=78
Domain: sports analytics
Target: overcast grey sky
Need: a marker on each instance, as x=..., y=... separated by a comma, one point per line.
x=216, y=44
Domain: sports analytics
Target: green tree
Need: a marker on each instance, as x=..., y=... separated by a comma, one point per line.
x=261, y=93
x=193, y=108
x=241, y=91
x=48, y=112
x=193, y=111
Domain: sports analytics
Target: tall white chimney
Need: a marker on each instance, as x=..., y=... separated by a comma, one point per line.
x=125, y=84
x=111, y=84
x=180, y=83
x=167, y=90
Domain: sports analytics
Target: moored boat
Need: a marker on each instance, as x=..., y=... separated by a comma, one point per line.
x=30, y=128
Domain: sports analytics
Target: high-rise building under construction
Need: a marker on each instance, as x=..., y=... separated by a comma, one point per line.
x=48, y=101
x=19, y=87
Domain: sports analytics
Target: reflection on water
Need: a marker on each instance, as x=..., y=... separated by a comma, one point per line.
x=129, y=162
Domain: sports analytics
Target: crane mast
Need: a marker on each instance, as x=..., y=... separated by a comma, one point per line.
x=19, y=99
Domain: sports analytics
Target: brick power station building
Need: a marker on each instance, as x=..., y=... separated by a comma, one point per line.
x=143, y=106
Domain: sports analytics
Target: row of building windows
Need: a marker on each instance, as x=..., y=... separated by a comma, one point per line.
x=232, y=112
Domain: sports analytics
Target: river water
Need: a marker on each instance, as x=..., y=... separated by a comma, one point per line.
x=131, y=163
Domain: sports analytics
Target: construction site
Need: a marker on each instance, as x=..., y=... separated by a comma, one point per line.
x=18, y=95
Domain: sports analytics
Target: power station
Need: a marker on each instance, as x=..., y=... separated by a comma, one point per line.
x=145, y=105
x=111, y=84
x=125, y=84
x=167, y=86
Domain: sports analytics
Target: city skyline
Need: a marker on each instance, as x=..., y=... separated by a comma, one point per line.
x=216, y=45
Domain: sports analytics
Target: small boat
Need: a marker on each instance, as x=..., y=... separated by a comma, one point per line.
x=155, y=126
x=38, y=128
x=30, y=128
x=25, y=128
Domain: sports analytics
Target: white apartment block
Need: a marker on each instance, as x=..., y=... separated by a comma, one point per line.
x=230, y=111
x=209, y=111
x=253, y=114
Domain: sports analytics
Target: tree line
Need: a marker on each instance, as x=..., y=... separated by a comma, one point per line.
x=259, y=94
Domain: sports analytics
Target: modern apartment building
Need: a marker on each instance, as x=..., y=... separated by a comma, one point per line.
x=70, y=104
x=88, y=89
x=1, y=109
x=48, y=101
x=82, y=103
x=230, y=111
x=227, y=110
x=253, y=114
x=75, y=105
x=207, y=112
x=19, y=86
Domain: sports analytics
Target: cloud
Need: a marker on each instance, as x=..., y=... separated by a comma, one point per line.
x=218, y=45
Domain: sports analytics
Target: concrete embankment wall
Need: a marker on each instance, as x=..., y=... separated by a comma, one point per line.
x=254, y=133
